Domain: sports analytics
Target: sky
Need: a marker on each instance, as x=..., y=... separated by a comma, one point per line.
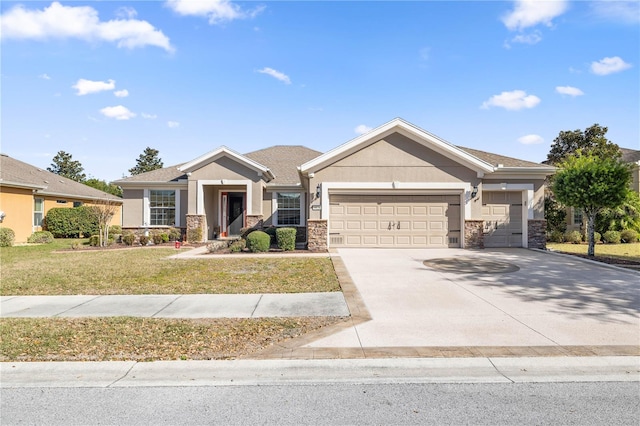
x=104, y=80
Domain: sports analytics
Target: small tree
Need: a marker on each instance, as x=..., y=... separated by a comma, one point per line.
x=592, y=184
x=63, y=165
x=147, y=161
x=103, y=211
x=103, y=186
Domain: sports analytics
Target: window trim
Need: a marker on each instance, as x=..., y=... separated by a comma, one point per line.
x=147, y=207
x=274, y=208
x=35, y=225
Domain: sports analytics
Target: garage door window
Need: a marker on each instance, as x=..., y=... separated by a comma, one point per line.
x=289, y=208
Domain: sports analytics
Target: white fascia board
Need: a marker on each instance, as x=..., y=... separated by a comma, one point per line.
x=79, y=197
x=407, y=129
x=182, y=184
x=21, y=185
x=224, y=151
x=543, y=170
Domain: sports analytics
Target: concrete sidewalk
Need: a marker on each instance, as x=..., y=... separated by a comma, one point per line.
x=177, y=306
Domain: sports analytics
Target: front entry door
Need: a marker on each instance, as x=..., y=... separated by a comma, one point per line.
x=235, y=213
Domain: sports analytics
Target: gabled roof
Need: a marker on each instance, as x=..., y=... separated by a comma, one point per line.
x=223, y=151
x=407, y=129
x=18, y=174
x=630, y=155
x=283, y=161
x=164, y=175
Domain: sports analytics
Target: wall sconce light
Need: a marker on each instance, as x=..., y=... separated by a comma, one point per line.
x=318, y=191
x=474, y=192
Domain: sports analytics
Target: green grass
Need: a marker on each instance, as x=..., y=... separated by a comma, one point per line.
x=616, y=251
x=40, y=270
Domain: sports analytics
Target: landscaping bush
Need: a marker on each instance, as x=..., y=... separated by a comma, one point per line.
x=237, y=246
x=629, y=236
x=129, y=238
x=612, y=237
x=175, y=234
x=144, y=240
x=194, y=235
x=115, y=229
x=7, y=237
x=597, y=237
x=258, y=241
x=574, y=237
x=71, y=223
x=271, y=232
x=156, y=238
x=41, y=237
x=94, y=240
x=555, y=237
x=286, y=238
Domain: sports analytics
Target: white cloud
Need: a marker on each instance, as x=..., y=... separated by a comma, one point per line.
x=173, y=124
x=44, y=77
x=529, y=13
x=617, y=11
x=149, y=116
x=81, y=22
x=126, y=12
x=361, y=129
x=276, y=74
x=530, y=140
x=216, y=11
x=514, y=100
x=121, y=93
x=570, y=91
x=609, y=66
x=85, y=87
x=532, y=38
x=118, y=112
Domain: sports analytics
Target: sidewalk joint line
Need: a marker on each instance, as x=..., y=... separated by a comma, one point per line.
x=256, y=307
x=165, y=307
x=500, y=372
x=76, y=306
x=124, y=375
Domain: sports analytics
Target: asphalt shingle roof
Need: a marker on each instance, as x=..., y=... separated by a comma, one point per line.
x=495, y=159
x=283, y=161
x=166, y=174
x=16, y=172
x=630, y=155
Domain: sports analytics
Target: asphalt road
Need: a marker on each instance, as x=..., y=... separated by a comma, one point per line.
x=586, y=403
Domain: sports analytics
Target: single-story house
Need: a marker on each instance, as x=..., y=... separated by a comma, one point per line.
x=395, y=186
x=27, y=193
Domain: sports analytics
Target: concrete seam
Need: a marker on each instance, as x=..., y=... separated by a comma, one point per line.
x=76, y=306
x=256, y=307
x=123, y=376
x=165, y=307
x=500, y=372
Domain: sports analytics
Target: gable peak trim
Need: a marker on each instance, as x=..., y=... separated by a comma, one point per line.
x=224, y=151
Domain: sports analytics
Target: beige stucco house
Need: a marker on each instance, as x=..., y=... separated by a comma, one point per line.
x=27, y=193
x=395, y=186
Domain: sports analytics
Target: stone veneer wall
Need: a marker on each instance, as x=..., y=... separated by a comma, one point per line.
x=317, y=235
x=254, y=221
x=537, y=233
x=195, y=221
x=473, y=235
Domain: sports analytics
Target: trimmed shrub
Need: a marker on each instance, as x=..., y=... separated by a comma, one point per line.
x=258, y=241
x=597, y=237
x=129, y=238
x=175, y=234
x=144, y=240
x=194, y=235
x=7, y=237
x=71, y=223
x=156, y=238
x=286, y=238
x=612, y=237
x=574, y=237
x=629, y=236
x=115, y=229
x=41, y=237
x=94, y=240
x=271, y=232
x=237, y=246
x=555, y=237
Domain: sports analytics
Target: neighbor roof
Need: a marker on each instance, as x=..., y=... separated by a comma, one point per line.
x=283, y=161
x=630, y=155
x=166, y=174
x=22, y=175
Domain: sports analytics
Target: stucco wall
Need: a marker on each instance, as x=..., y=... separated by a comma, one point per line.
x=18, y=206
x=133, y=208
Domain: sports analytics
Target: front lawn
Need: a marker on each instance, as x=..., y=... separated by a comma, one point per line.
x=627, y=252
x=42, y=270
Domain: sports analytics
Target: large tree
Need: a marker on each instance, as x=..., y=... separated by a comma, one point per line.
x=592, y=183
x=63, y=165
x=592, y=140
x=104, y=186
x=147, y=161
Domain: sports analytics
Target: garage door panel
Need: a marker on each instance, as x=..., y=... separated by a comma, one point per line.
x=386, y=210
x=370, y=210
x=370, y=225
x=354, y=225
x=403, y=210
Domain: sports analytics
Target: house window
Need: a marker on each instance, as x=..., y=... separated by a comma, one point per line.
x=162, y=207
x=289, y=208
x=77, y=203
x=61, y=201
x=577, y=216
x=38, y=211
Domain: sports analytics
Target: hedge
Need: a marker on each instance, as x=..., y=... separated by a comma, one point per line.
x=286, y=238
x=71, y=223
x=258, y=241
x=41, y=237
x=7, y=237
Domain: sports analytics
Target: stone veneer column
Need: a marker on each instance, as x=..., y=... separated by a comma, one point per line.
x=537, y=233
x=254, y=221
x=317, y=235
x=473, y=236
x=195, y=221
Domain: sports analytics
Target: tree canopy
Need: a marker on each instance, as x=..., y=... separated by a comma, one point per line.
x=104, y=186
x=592, y=183
x=592, y=141
x=147, y=161
x=63, y=165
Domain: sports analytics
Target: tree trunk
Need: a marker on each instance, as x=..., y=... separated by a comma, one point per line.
x=591, y=221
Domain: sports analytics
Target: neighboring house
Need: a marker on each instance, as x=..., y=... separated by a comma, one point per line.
x=27, y=193
x=629, y=156
x=395, y=186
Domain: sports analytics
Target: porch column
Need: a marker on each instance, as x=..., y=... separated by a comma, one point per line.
x=537, y=236
x=317, y=235
x=473, y=236
x=196, y=228
x=254, y=220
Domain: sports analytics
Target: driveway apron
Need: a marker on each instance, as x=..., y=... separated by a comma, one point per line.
x=548, y=300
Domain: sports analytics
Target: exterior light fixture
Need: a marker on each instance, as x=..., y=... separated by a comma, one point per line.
x=318, y=191
x=474, y=192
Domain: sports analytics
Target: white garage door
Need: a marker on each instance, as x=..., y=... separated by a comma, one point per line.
x=502, y=215
x=394, y=220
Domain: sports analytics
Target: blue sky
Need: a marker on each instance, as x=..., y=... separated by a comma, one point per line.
x=104, y=80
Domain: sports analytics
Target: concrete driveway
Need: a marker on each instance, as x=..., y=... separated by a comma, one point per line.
x=551, y=300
